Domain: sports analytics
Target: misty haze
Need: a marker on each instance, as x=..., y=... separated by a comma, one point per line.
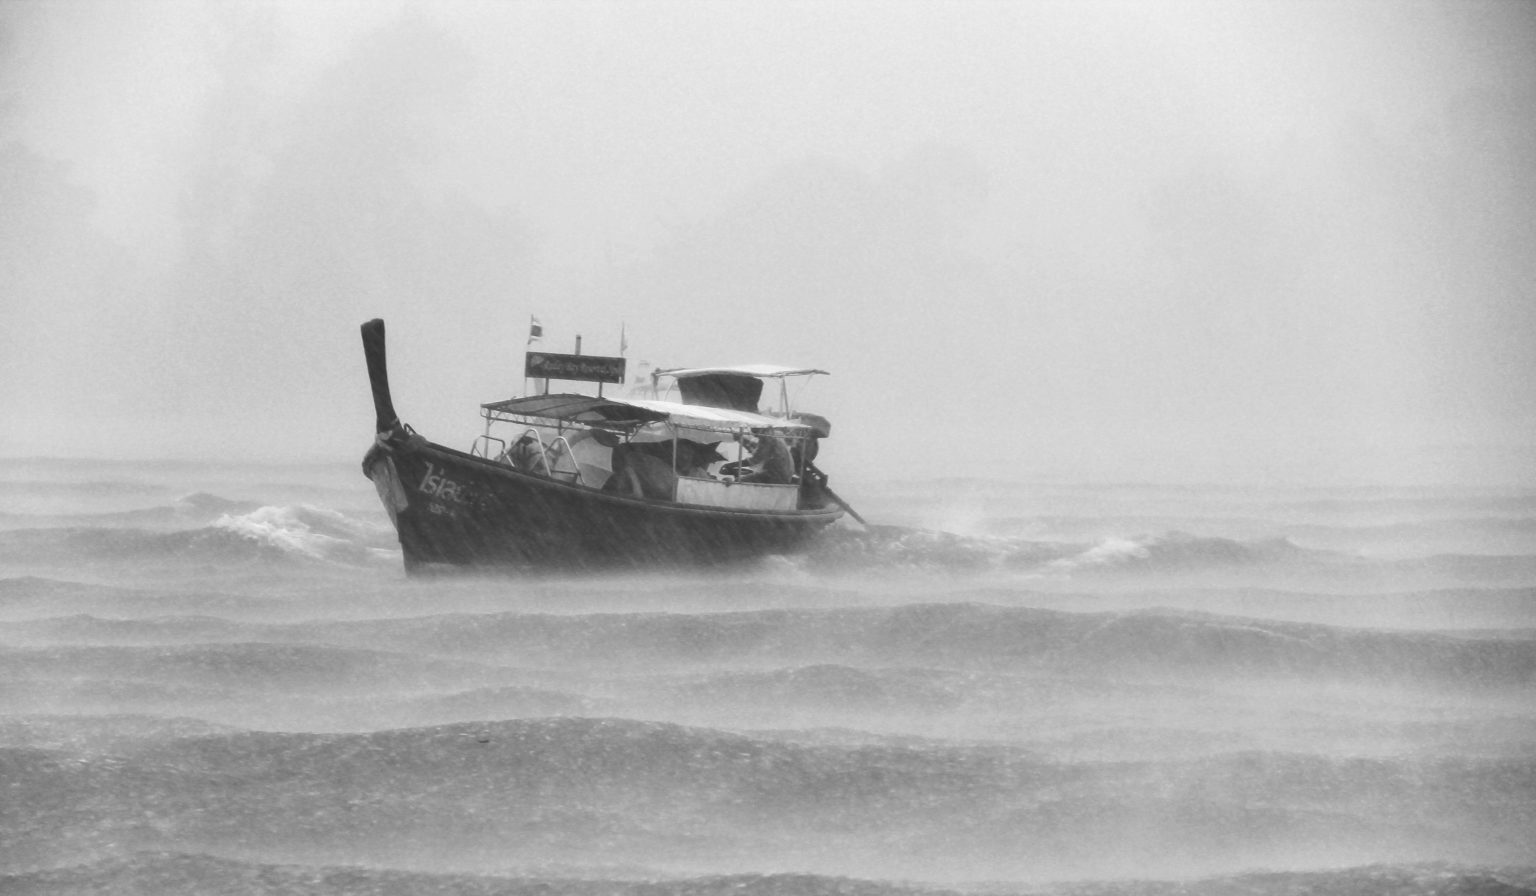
x=1181, y=375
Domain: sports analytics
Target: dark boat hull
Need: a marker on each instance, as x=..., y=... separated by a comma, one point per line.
x=455, y=509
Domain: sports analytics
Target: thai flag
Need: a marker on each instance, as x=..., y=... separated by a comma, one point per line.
x=535, y=330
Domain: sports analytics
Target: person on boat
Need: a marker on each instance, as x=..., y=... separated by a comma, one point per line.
x=805, y=450
x=640, y=472
x=654, y=477
x=694, y=458
x=770, y=462
x=528, y=454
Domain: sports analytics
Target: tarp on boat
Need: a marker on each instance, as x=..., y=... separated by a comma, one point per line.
x=653, y=416
x=773, y=371
x=738, y=388
x=572, y=408
x=722, y=390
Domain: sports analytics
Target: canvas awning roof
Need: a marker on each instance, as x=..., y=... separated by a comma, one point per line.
x=773, y=371
x=576, y=409
x=737, y=388
x=631, y=415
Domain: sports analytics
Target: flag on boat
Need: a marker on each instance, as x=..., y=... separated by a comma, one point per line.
x=623, y=343
x=535, y=330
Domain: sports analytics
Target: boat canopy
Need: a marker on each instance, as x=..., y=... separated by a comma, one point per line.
x=634, y=415
x=737, y=388
x=772, y=371
x=569, y=408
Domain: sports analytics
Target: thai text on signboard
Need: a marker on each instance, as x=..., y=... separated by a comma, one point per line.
x=587, y=368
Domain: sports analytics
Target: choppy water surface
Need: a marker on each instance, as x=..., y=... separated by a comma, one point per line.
x=216, y=679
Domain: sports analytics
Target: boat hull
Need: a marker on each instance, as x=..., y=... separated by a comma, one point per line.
x=458, y=510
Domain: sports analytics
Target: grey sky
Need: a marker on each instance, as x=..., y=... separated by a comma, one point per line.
x=1142, y=239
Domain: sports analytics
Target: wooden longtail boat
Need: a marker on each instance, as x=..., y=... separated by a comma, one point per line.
x=570, y=480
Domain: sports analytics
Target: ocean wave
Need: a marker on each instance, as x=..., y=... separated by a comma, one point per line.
x=309, y=531
x=42, y=597
x=828, y=686
x=903, y=548
x=836, y=644
x=194, y=874
x=1501, y=569
x=334, y=703
x=88, y=629
x=118, y=733
x=560, y=790
x=175, y=874
x=79, y=486
x=1184, y=553
x=243, y=667
x=87, y=546
x=187, y=512
x=891, y=551
x=1504, y=612
x=263, y=534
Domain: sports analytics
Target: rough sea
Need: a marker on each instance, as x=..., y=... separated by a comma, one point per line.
x=217, y=679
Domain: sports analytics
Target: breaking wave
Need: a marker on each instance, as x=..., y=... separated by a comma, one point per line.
x=231, y=533
x=897, y=550
x=904, y=547
x=193, y=509
x=309, y=531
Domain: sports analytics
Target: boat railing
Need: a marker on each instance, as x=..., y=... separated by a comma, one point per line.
x=559, y=447
x=482, y=447
x=545, y=460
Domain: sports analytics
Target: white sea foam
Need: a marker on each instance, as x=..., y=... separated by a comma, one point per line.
x=1108, y=552
x=306, y=530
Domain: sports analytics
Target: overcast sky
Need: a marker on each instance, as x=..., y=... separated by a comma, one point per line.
x=1143, y=240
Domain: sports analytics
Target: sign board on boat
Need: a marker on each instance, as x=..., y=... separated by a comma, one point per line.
x=586, y=368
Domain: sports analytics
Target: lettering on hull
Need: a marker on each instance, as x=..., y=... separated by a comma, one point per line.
x=446, y=494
